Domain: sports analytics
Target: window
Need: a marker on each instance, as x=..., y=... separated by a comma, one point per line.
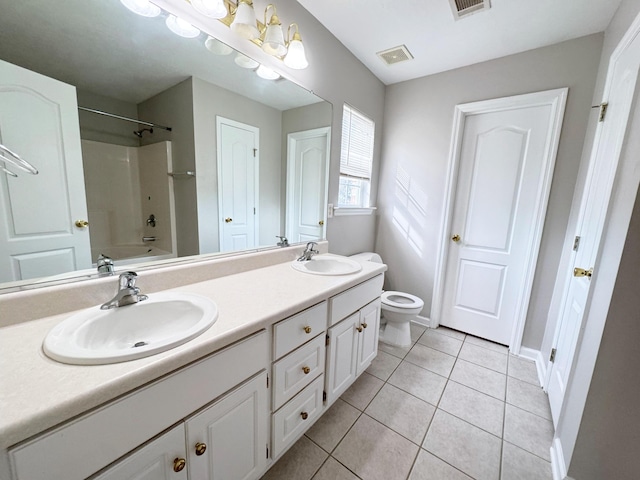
x=356, y=159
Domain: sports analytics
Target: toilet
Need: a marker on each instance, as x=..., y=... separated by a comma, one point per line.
x=398, y=309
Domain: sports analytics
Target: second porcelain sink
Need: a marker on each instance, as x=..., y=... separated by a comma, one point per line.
x=164, y=321
x=328, y=265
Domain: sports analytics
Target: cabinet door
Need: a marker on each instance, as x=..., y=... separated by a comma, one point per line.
x=155, y=461
x=341, y=356
x=368, y=337
x=234, y=433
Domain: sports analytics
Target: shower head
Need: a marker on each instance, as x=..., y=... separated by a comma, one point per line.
x=138, y=133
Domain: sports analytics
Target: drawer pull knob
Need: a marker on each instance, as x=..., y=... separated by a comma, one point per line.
x=304, y=415
x=364, y=325
x=179, y=464
x=306, y=370
x=307, y=329
x=200, y=448
x=359, y=329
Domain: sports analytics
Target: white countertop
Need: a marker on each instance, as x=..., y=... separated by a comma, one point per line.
x=37, y=393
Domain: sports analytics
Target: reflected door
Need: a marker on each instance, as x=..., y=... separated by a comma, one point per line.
x=306, y=184
x=237, y=184
x=503, y=159
x=39, y=121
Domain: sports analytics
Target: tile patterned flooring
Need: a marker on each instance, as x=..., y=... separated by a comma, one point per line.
x=449, y=407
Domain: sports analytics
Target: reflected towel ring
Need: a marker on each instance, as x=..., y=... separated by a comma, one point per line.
x=16, y=160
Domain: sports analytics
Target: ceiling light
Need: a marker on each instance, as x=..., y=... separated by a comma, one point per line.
x=142, y=7
x=244, y=23
x=273, y=42
x=216, y=46
x=210, y=8
x=267, y=73
x=295, y=57
x=182, y=27
x=245, y=62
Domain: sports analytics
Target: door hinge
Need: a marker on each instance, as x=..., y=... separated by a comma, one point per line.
x=324, y=396
x=267, y=381
x=255, y=152
x=326, y=341
x=254, y=210
x=552, y=357
x=603, y=110
x=267, y=450
x=576, y=243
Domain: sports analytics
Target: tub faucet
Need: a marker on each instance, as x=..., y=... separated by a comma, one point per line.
x=127, y=294
x=308, y=252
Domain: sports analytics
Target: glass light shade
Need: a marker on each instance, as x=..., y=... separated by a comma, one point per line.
x=296, y=57
x=245, y=62
x=216, y=46
x=142, y=7
x=210, y=8
x=273, y=43
x=182, y=27
x=244, y=24
x=267, y=73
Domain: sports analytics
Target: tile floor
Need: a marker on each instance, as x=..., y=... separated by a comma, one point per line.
x=449, y=407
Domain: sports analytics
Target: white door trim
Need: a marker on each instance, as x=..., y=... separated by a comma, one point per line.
x=292, y=139
x=556, y=99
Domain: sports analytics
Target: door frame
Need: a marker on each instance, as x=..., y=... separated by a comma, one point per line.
x=556, y=99
x=292, y=139
x=256, y=218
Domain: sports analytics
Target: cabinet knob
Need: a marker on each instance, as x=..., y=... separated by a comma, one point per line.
x=359, y=329
x=200, y=448
x=306, y=370
x=304, y=415
x=307, y=329
x=179, y=464
x=364, y=325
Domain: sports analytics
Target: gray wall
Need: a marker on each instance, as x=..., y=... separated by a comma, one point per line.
x=100, y=128
x=417, y=134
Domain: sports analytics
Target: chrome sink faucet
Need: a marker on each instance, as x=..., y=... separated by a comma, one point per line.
x=308, y=252
x=127, y=294
x=283, y=241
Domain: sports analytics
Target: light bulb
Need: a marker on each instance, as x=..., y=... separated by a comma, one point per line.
x=267, y=73
x=245, y=22
x=210, y=8
x=142, y=7
x=245, y=62
x=182, y=27
x=273, y=43
x=296, y=57
x=216, y=46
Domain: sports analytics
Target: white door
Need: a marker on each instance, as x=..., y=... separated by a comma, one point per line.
x=505, y=164
x=229, y=439
x=39, y=121
x=591, y=221
x=307, y=154
x=237, y=184
x=158, y=460
x=341, y=357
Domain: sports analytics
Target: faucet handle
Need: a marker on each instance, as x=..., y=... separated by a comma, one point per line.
x=128, y=280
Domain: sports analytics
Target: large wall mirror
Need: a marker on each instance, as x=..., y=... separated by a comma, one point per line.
x=227, y=160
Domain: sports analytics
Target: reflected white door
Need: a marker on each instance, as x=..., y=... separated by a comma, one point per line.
x=307, y=161
x=237, y=184
x=503, y=166
x=39, y=121
x=592, y=218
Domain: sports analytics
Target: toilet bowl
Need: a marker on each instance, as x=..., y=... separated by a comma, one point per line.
x=398, y=309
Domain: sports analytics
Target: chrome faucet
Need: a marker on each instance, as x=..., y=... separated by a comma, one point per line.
x=308, y=252
x=105, y=265
x=127, y=294
x=283, y=241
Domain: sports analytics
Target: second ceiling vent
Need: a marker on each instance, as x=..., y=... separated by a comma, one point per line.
x=462, y=8
x=395, y=55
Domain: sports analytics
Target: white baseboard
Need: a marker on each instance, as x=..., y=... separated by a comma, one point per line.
x=536, y=356
x=558, y=468
x=422, y=321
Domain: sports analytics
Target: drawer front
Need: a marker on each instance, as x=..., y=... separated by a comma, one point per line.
x=344, y=304
x=297, y=370
x=292, y=420
x=294, y=331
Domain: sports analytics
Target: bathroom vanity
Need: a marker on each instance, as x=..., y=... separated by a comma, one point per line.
x=225, y=405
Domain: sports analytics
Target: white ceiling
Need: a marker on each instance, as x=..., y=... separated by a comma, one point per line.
x=439, y=43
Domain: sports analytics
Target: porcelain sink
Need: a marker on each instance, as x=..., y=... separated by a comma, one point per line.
x=164, y=321
x=328, y=265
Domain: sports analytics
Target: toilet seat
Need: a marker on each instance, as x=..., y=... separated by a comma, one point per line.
x=401, y=301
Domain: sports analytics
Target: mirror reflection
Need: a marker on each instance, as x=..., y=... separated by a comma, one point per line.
x=195, y=155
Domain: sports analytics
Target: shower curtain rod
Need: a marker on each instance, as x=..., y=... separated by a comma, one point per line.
x=126, y=119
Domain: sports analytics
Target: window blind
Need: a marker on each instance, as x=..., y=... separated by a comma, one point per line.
x=356, y=152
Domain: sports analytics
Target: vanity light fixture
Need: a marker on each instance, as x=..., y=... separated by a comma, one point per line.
x=217, y=47
x=245, y=22
x=181, y=27
x=142, y=7
x=245, y=62
x=267, y=73
x=273, y=36
x=295, y=57
x=210, y=8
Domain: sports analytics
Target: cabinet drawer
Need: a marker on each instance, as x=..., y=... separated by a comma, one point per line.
x=289, y=334
x=295, y=371
x=293, y=419
x=344, y=304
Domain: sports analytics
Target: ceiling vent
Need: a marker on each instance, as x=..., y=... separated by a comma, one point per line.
x=462, y=8
x=395, y=55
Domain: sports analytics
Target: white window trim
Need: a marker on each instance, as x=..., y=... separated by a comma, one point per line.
x=344, y=211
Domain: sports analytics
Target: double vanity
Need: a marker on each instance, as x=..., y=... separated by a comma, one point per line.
x=225, y=404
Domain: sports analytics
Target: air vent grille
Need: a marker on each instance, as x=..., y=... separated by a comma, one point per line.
x=462, y=8
x=395, y=55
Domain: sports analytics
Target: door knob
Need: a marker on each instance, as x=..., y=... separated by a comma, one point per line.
x=456, y=238
x=82, y=223
x=228, y=220
x=581, y=272
x=321, y=222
